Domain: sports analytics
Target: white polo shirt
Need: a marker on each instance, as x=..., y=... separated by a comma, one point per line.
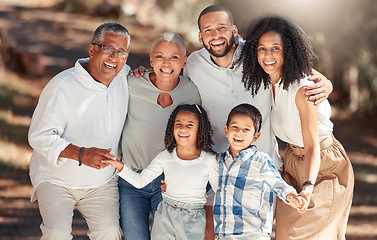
x=221, y=89
x=74, y=108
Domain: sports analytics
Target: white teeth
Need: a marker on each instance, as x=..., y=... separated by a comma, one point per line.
x=166, y=71
x=110, y=65
x=218, y=43
x=183, y=135
x=269, y=63
x=238, y=139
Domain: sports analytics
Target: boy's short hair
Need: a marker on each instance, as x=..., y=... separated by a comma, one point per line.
x=249, y=110
x=170, y=37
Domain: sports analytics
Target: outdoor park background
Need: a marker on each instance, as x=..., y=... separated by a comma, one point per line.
x=39, y=38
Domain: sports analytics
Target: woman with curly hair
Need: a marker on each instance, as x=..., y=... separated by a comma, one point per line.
x=278, y=54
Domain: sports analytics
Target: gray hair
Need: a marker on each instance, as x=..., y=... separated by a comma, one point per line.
x=99, y=34
x=170, y=37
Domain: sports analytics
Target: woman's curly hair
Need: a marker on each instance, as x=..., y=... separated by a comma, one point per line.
x=298, y=56
x=204, y=139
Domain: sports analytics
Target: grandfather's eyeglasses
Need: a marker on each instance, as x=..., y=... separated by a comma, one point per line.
x=109, y=51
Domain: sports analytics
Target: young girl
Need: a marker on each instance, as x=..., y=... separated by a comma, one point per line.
x=188, y=163
x=278, y=55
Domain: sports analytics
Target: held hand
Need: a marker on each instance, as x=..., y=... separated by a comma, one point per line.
x=163, y=186
x=140, y=71
x=306, y=194
x=95, y=157
x=296, y=201
x=319, y=91
x=115, y=163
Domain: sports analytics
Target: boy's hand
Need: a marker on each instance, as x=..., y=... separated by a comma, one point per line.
x=319, y=91
x=115, y=163
x=163, y=186
x=306, y=193
x=140, y=71
x=298, y=202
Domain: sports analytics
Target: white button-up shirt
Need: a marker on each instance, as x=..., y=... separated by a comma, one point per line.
x=74, y=108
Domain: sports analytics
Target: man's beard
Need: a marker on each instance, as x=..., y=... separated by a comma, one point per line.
x=227, y=49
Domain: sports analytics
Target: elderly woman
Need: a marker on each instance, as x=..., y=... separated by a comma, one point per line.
x=152, y=98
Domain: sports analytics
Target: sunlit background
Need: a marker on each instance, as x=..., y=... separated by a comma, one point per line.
x=39, y=38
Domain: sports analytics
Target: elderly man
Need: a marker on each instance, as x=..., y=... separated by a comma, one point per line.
x=78, y=123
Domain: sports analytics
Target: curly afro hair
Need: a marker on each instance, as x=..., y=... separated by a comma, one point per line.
x=298, y=56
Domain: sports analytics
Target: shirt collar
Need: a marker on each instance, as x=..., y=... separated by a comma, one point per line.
x=244, y=155
x=89, y=81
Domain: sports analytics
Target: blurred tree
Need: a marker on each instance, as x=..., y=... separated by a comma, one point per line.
x=350, y=43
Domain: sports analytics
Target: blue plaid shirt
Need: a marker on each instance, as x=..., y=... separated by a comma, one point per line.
x=244, y=198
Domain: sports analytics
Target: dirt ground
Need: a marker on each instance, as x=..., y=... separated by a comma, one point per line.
x=48, y=42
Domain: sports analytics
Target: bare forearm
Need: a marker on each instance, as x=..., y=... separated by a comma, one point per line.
x=312, y=164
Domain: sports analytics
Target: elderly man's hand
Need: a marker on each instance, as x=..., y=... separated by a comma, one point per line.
x=140, y=71
x=94, y=157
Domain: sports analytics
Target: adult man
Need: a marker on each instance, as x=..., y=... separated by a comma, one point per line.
x=77, y=124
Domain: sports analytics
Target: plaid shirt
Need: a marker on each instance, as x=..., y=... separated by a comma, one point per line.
x=244, y=198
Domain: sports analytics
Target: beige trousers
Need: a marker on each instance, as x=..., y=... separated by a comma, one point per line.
x=330, y=204
x=99, y=206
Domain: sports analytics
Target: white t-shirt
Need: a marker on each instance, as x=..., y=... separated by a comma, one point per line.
x=186, y=180
x=74, y=108
x=221, y=89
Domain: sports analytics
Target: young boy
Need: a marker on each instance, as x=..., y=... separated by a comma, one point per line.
x=243, y=207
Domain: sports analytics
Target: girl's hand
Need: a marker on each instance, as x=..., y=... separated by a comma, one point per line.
x=115, y=163
x=163, y=186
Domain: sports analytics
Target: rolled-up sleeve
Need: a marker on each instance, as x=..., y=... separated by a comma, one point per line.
x=47, y=127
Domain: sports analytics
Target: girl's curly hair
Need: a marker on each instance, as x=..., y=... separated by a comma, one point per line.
x=298, y=56
x=204, y=139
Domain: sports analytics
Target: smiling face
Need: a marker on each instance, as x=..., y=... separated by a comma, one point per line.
x=103, y=67
x=240, y=133
x=216, y=33
x=186, y=127
x=270, y=54
x=167, y=60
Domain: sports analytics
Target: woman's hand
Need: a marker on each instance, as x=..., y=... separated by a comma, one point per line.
x=306, y=193
x=298, y=202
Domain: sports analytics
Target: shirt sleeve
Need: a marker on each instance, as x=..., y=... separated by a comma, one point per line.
x=140, y=180
x=47, y=127
x=270, y=175
x=213, y=180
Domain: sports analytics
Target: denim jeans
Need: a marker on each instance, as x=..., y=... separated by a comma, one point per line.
x=135, y=207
